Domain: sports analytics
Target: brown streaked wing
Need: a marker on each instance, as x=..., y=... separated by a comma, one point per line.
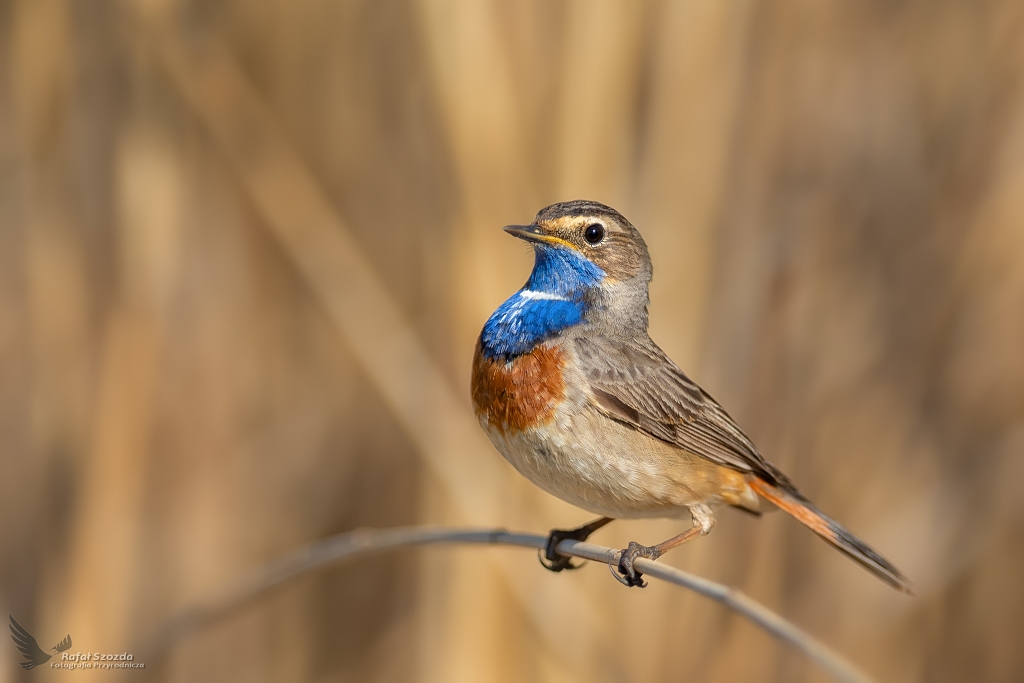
x=634, y=382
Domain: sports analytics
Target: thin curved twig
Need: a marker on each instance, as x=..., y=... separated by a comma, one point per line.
x=363, y=541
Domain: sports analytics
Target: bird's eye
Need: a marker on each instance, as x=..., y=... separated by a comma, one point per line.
x=594, y=233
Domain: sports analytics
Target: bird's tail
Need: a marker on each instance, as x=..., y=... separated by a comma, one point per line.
x=833, y=532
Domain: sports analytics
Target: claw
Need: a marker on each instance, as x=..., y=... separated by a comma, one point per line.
x=557, y=562
x=625, y=573
x=626, y=581
x=560, y=563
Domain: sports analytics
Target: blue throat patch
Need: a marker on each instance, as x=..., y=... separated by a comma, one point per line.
x=551, y=301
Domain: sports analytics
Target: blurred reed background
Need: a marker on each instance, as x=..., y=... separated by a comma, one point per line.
x=246, y=247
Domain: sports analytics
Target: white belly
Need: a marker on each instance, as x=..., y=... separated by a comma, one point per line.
x=605, y=467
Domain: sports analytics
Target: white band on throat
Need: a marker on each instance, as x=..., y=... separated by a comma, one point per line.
x=530, y=294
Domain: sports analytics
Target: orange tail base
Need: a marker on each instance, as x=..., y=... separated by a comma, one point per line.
x=834, y=533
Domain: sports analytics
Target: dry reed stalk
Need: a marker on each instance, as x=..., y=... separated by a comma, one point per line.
x=361, y=542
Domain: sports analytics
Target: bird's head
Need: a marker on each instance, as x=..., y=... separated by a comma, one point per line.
x=588, y=251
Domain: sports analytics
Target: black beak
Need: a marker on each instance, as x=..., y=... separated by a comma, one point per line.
x=530, y=233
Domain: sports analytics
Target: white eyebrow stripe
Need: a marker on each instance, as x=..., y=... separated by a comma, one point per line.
x=530, y=294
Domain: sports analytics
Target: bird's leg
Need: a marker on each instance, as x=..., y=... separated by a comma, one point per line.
x=557, y=562
x=627, y=575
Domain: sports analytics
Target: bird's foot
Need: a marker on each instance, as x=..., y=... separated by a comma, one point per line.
x=625, y=573
x=557, y=562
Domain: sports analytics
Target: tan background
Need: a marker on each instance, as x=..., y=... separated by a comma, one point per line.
x=246, y=246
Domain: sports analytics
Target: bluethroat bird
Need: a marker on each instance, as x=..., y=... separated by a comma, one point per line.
x=572, y=391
